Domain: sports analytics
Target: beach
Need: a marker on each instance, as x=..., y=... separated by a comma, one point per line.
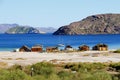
x=8, y=59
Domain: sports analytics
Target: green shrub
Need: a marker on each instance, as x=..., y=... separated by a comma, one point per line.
x=63, y=74
x=82, y=76
x=14, y=75
x=117, y=51
x=27, y=69
x=39, y=77
x=43, y=68
x=94, y=66
x=66, y=75
x=100, y=75
x=4, y=74
x=18, y=75
x=54, y=77
x=70, y=71
x=116, y=66
x=85, y=66
x=14, y=67
x=72, y=66
x=69, y=65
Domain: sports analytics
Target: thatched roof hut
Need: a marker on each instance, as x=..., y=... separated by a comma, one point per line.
x=24, y=49
x=37, y=48
x=69, y=48
x=52, y=49
x=100, y=47
x=84, y=48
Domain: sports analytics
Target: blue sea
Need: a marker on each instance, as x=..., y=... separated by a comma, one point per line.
x=9, y=42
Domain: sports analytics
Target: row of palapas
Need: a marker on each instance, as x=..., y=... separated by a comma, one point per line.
x=39, y=48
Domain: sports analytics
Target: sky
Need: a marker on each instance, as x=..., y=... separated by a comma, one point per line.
x=53, y=13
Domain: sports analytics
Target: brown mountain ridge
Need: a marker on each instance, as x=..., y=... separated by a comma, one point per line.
x=95, y=24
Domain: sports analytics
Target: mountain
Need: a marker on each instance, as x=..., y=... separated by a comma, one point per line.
x=22, y=30
x=47, y=29
x=5, y=27
x=95, y=24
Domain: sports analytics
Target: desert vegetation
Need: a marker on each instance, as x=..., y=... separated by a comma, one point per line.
x=117, y=51
x=63, y=71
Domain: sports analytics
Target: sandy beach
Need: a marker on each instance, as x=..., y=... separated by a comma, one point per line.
x=28, y=58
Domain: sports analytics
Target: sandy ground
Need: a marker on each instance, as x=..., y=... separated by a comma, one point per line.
x=28, y=58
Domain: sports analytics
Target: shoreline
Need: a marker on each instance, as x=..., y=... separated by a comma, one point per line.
x=29, y=58
x=12, y=50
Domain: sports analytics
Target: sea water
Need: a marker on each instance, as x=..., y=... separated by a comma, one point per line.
x=9, y=42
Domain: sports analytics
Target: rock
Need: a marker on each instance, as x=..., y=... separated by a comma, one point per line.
x=95, y=24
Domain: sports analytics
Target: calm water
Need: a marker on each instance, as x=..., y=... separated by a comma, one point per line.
x=9, y=41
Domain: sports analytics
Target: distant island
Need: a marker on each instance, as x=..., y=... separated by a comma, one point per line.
x=95, y=24
x=21, y=30
x=18, y=29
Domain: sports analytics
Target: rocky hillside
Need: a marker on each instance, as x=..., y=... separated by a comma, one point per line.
x=21, y=30
x=95, y=24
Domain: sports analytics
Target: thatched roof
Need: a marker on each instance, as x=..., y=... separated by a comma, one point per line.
x=25, y=48
x=68, y=46
x=37, y=46
x=101, y=45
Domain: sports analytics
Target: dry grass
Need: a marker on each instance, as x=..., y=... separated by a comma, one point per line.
x=105, y=54
x=13, y=59
x=3, y=64
x=20, y=59
x=86, y=54
x=6, y=58
x=54, y=61
x=95, y=55
x=57, y=60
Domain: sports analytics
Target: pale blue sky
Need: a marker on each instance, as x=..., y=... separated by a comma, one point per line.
x=53, y=13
